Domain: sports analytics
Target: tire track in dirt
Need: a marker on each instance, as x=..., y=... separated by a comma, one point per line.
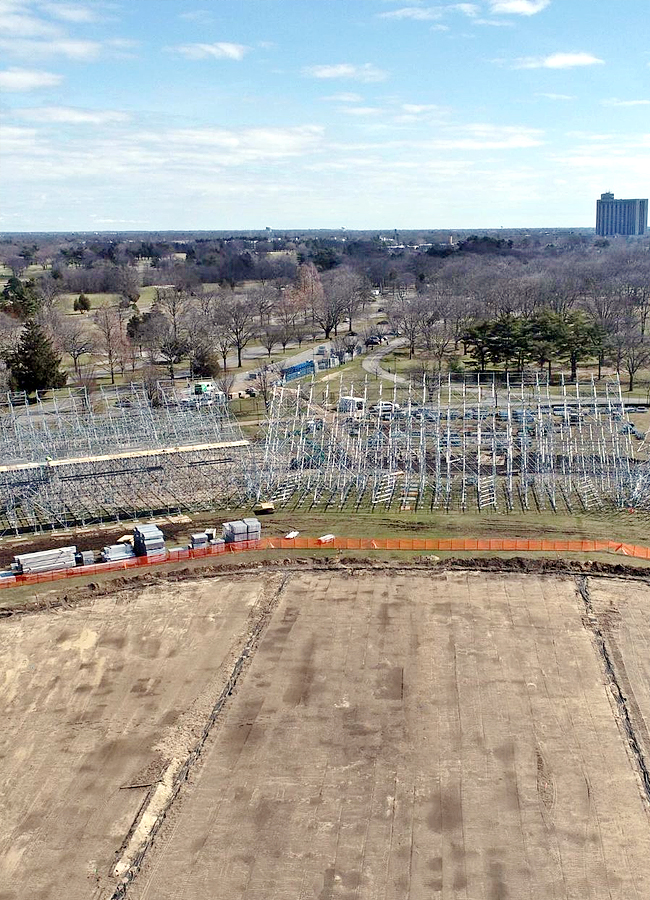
x=168, y=790
x=621, y=701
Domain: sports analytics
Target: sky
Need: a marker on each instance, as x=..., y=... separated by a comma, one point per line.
x=360, y=114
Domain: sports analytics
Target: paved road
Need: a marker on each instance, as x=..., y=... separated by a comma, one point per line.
x=372, y=362
x=243, y=381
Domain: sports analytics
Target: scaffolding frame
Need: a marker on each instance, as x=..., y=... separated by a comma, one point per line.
x=470, y=442
x=70, y=459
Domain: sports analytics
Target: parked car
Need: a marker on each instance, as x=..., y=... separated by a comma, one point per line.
x=385, y=406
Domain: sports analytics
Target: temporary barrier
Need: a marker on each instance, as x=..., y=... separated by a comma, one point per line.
x=445, y=545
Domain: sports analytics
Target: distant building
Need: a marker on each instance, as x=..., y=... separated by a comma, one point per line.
x=620, y=216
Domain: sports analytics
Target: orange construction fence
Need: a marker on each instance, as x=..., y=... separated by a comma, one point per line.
x=496, y=545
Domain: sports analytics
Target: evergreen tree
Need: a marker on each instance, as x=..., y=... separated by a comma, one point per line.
x=34, y=364
x=81, y=304
x=20, y=298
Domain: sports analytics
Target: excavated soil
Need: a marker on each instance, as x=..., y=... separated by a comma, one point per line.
x=331, y=730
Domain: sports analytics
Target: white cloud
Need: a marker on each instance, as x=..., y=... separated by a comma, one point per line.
x=345, y=97
x=490, y=137
x=416, y=13
x=366, y=72
x=417, y=109
x=68, y=115
x=550, y=96
x=17, y=21
x=474, y=136
x=69, y=12
x=468, y=9
x=218, y=50
x=14, y=79
x=518, y=7
x=361, y=110
x=559, y=61
x=236, y=147
x=494, y=23
x=14, y=138
x=615, y=102
x=68, y=48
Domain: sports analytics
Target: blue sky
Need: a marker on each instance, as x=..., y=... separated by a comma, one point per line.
x=236, y=114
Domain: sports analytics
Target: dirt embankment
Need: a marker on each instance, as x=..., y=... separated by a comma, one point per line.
x=78, y=595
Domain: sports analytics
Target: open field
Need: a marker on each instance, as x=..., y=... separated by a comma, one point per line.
x=94, y=699
x=398, y=734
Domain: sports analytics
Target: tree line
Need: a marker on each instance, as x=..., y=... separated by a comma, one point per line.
x=493, y=303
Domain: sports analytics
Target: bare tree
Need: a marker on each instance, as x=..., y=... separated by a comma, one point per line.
x=88, y=380
x=300, y=332
x=76, y=341
x=410, y=314
x=308, y=290
x=265, y=379
x=269, y=338
x=223, y=340
x=48, y=288
x=263, y=304
x=240, y=325
x=174, y=303
x=128, y=283
x=226, y=382
x=636, y=354
x=5, y=376
x=109, y=326
x=438, y=338
x=329, y=307
x=10, y=331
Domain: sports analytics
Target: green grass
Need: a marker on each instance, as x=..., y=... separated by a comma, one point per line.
x=65, y=302
x=610, y=525
x=605, y=526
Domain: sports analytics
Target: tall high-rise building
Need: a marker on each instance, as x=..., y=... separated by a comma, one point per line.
x=620, y=216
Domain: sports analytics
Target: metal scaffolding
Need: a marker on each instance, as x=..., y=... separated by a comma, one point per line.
x=470, y=442
x=71, y=459
x=453, y=443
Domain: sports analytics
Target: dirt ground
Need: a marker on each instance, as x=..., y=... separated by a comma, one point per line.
x=96, y=698
x=407, y=734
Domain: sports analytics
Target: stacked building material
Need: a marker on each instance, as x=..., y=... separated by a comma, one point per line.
x=44, y=561
x=242, y=530
x=253, y=528
x=234, y=532
x=148, y=540
x=199, y=540
x=117, y=552
x=86, y=558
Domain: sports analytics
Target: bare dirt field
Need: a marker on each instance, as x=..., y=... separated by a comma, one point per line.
x=390, y=735
x=96, y=698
